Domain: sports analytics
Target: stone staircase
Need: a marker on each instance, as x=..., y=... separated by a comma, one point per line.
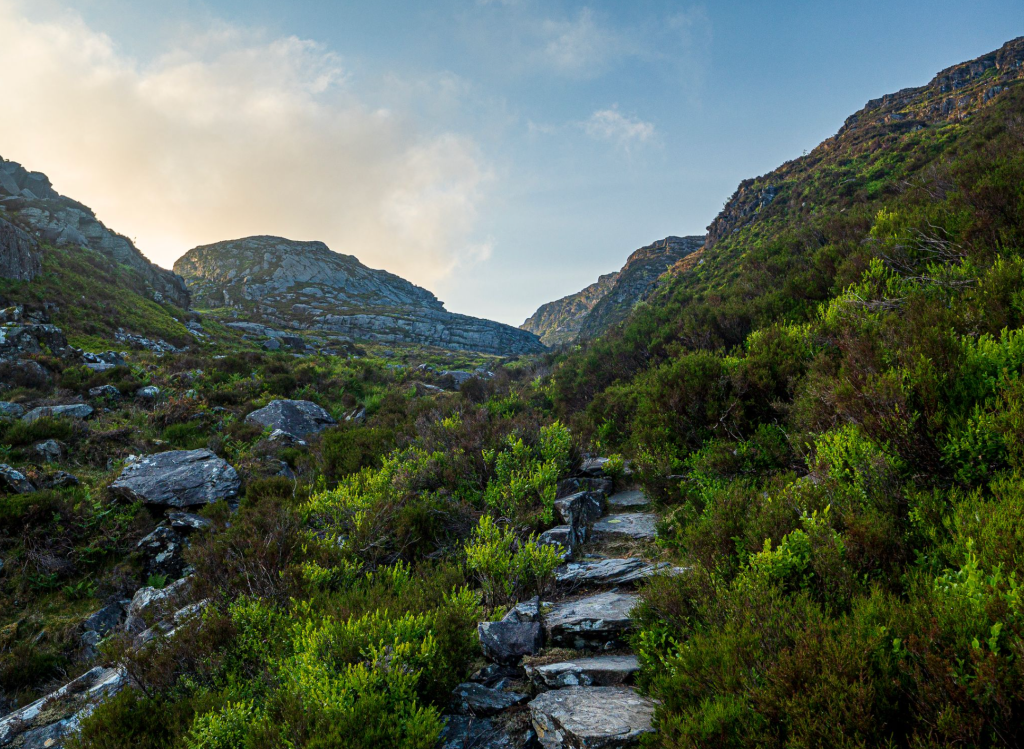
x=561, y=670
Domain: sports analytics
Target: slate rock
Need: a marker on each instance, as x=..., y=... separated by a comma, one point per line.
x=150, y=604
x=560, y=535
x=19, y=253
x=148, y=393
x=593, y=467
x=13, y=481
x=105, y=391
x=59, y=480
x=606, y=572
x=493, y=674
x=465, y=732
x=106, y=620
x=10, y=410
x=576, y=484
x=524, y=612
x=591, y=717
x=638, y=525
x=178, y=478
x=581, y=509
x=483, y=702
x=49, y=450
x=186, y=522
x=162, y=552
x=597, y=622
x=507, y=642
x=630, y=499
x=299, y=418
x=68, y=411
x=596, y=671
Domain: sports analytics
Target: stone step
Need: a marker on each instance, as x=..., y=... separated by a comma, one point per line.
x=598, y=717
x=630, y=500
x=637, y=525
x=482, y=701
x=606, y=571
x=597, y=622
x=597, y=671
x=580, y=509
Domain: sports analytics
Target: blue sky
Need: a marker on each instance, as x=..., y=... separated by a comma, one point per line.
x=519, y=149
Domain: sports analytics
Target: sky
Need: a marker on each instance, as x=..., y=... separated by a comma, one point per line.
x=502, y=153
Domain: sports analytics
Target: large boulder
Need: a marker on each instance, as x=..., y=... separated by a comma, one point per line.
x=299, y=418
x=591, y=717
x=69, y=411
x=178, y=478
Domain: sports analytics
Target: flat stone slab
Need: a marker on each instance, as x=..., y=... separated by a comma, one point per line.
x=640, y=525
x=591, y=717
x=606, y=572
x=598, y=671
x=463, y=732
x=630, y=499
x=482, y=701
x=594, y=623
x=70, y=411
x=178, y=478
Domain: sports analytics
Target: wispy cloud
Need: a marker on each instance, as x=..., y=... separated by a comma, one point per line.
x=623, y=130
x=234, y=133
x=579, y=46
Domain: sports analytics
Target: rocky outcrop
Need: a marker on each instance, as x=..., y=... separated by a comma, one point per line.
x=29, y=200
x=306, y=286
x=559, y=322
x=954, y=95
x=178, y=478
x=19, y=253
x=601, y=305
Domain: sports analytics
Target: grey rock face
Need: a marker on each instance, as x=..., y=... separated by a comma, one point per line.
x=150, y=604
x=560, y=535
x=594, y=623
x=14, y=482
x=298, y=418
x=19, y=255
x=161, y=553
x=507, y=642
x=639, y=525
x=598, y=671
x=483, y=702
x=591, y=717
x=49, y=450
x=17, y=341
x=186, y=522
x=10, y=410
x=582, y=508
x=306, y=286
x=148, y=393
x=606, y=572
x=105, y=391
x=106, y=620
x=179, y=478
x=62, y=222
x=69, y=411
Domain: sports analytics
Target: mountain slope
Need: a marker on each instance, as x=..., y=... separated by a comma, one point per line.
x=307, y=286
x=29, y=201
x=608, y=301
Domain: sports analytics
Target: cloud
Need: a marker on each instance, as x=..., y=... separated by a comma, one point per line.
x=580, y=46
x=231, y=134
x=612, y=125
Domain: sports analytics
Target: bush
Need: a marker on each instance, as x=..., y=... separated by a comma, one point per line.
x=510, y=570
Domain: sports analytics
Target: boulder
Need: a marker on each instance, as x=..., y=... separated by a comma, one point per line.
x=483, y=702
x=525, y=612
x=628, y=500
x=507, y=642
x=596, y=622
x=148, y=393
x=59, y=480
x=151, y=604
x=10, y=410
x=560, y=535
x=178, y=478
x=638, y=525
x=593, y=467
x=49, y=451
x=606, y=572
x=14, y=482
x=591, y=717
x=580, y=510
x=299, y=418
x=105, y=391
x=19, y=341
x=106, y=620
x=186, y=522
x=69, y=411
x=598, y=671
x=577, y=484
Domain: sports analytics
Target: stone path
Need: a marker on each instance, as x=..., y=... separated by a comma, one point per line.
x=569, y=652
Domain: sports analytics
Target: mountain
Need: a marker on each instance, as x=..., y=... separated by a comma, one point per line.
x=305, y=285
x=35, y=214
x=607, y=302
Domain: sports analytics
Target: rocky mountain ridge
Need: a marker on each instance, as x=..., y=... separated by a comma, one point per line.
x=32, y=213
x=593, y=310
x=307, y=286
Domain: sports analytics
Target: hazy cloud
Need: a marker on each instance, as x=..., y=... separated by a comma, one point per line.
x=612, y=125
x=580, y=46
x=232, y=134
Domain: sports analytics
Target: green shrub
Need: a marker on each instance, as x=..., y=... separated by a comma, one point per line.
x=510, y=570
